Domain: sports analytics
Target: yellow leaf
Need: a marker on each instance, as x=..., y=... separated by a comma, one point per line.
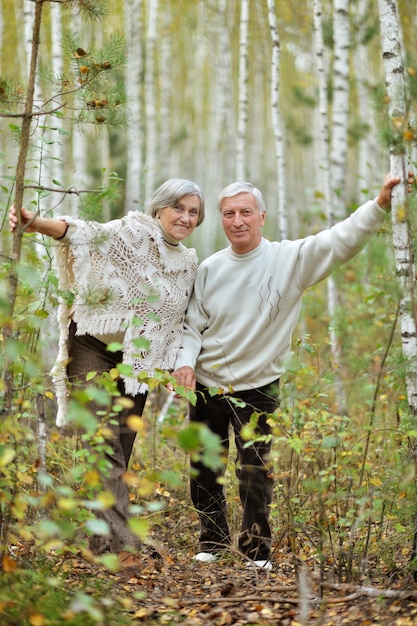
x=67, y=504
x=140, y=614
x=36, y=619
x=130, y=479
x=6, y=456
x=145, y=488
x=92, y=478
x=377, y=482
x=114, y=373
x=8, y=564
x=106, y=498
x=136, y=423
x=49, y=395
x=401, y=214
x=126, y=403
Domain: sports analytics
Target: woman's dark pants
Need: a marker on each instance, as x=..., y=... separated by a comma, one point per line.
x=87, y=354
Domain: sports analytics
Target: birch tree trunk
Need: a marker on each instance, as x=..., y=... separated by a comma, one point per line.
x=134, y=138
x=164, y=86
x=367, y=152
x=150, y=102
x=340, y=105
x=18, y=200
x=222, y=121
x=79, y=142
x=401, y=231
x=332, y=291
x=243, y=92
x=57, y=165
x=276, y=122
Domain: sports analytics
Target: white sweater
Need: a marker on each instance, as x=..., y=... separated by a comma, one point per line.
x=244, y=307
x=124, y=279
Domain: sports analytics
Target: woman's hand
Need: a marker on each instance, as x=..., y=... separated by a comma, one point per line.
x=33, y=223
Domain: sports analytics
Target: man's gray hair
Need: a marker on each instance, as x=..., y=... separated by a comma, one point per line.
x=171, y=192
x=242, y=187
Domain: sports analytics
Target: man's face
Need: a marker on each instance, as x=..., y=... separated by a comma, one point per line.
x=242, y=222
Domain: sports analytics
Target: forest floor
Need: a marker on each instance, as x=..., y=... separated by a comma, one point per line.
x=178, y=590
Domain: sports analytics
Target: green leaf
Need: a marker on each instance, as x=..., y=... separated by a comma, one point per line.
x=139, y=527
x=97, y=527
x=114, y=346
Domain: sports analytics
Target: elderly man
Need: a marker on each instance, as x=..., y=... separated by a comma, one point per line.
x=238, y=328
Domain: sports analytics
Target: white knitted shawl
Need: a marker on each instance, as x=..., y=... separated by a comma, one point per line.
x=122, y=276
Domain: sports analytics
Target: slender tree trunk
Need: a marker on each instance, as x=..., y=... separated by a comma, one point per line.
x=79, y=141
x=340, y=105
x=150, y=101
x=332, y=290
x=401, y=231
x=134, y=139
x=276, y=122
x=57, y=163
x=164, y=81
x=243, y=92
x=18, y=199
x=366, y=144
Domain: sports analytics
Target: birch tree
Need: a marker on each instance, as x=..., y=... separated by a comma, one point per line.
x=401, y=231
x=58, y=146
x=367, y=149
x=79, y=144
x=340, y=105
x=150, y=101
x=243, y=97
x=332, y=291
x=276, y=121
x=133, y=81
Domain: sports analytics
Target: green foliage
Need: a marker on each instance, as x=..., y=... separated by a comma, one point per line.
x=92, y=206
x=37, y=593
x=94, y=78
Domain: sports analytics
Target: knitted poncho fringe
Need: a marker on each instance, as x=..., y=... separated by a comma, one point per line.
x=122, y=276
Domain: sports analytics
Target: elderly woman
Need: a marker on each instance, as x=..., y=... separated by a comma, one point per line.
x=126, y=281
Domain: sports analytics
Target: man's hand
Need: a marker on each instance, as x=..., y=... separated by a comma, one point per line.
x=384, y=198
x=185, y=377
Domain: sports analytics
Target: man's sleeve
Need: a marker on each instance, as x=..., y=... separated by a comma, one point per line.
x=320, y=254
x=194, y=325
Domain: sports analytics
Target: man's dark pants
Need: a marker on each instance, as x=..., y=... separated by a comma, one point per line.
x=219, y=413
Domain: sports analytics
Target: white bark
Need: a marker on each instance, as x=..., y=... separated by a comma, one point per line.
x=340, y=105
x=324, y=140
x=332, y=291
x=150, y=102
x=134, y=135
x=367, y=149
x=164, y=87
x=56, y=165
x=243, y=92
x=79, y=140
x=402, y=239
x=221, y=122
x=276, y=121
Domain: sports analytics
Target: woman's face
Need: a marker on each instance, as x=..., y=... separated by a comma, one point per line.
x=180, y=220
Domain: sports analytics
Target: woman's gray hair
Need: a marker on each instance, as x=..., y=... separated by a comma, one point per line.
x=242, y=187
x=171, y=192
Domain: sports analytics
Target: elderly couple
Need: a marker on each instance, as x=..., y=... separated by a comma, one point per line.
x=227, y=324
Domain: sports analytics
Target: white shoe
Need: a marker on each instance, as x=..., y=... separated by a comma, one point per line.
x=205, y=557
x=262, y=564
